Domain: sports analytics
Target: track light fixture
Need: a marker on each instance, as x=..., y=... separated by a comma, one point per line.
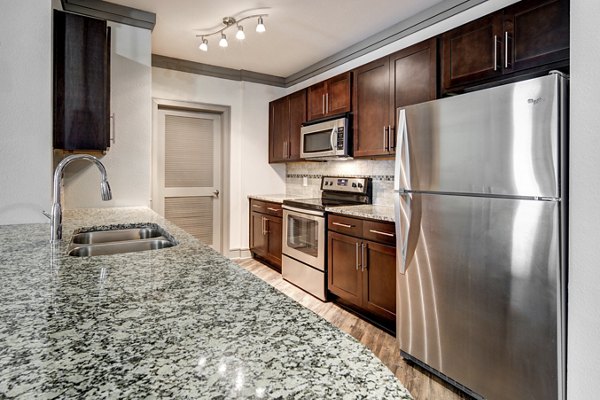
x=228, y=22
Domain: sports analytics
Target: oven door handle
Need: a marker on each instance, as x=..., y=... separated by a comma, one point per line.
x=303, y=211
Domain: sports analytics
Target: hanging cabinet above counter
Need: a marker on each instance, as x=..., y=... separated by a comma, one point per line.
x=81, y=83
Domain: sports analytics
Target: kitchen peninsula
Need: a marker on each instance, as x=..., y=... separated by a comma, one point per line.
x=182, y=322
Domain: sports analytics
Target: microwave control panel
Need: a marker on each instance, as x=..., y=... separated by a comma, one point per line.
x=345, y=184
x=340, y=138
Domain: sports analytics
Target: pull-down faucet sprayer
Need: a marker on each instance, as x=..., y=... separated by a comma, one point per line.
x=56, y=216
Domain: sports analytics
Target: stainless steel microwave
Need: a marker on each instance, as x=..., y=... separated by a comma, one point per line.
x=326, y=140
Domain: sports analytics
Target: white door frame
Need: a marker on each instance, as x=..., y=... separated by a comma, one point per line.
x=225, y=112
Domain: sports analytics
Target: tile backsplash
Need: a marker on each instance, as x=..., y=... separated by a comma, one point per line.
x=381, y=171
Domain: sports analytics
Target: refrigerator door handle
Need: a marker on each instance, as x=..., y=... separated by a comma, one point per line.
x=402, y=218
x=402, y=165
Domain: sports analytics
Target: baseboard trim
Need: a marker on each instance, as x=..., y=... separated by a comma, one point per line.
x=235, y=254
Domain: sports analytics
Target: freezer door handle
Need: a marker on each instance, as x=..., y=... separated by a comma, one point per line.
x=403, y=215
x=402, y=165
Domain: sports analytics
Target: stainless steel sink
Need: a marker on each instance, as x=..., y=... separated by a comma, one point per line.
x=114, y=240
x=128, y=246
x=115, y=235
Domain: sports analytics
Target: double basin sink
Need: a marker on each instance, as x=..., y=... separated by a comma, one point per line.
x=117, y=240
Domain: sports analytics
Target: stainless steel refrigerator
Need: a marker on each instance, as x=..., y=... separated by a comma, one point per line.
x=481, y=228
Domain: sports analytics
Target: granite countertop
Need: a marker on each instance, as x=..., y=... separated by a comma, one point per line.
x=378, y=212
x=274, y=198
x=182, y=322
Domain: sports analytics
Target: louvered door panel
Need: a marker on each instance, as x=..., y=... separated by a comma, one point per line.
x=193, y=214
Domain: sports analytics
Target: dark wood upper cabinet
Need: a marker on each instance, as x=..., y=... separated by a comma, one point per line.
x=537, y=33
x=81, y=83
x=286, y=116
x=330, y=97
x=406, y=77
x=531, y=34
x=371, y=108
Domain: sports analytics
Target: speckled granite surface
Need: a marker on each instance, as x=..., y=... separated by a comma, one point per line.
x=182, y=322
x=382, y=213
x=275, y=198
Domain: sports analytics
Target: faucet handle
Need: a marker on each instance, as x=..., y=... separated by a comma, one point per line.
x=46, y=214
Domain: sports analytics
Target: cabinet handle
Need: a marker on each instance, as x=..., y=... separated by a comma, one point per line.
x=113, y=139
x=256, y=206
x=391, y=138
x=381, y=233
x=357, y=262
x=326, y=103
x=266, y=226
x=506, y=39
x=495, y=52
x=289, y=150
x=342, y=225
x=274, y=209
x=323, y=104
x=385, y=139
x=364, y=257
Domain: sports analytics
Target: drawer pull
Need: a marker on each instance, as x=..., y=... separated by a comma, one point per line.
x=342, y=225
x=274, y=209
x=254, y=205
x=382, y=233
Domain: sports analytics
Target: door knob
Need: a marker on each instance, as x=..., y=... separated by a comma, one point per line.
x=216, y=193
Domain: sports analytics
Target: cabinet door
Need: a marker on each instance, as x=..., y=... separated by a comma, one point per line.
x=371, y=108
x=297, y=118
x=413, y=73
x=536, y=33
x=258, y=238
x=344, y=275
x=279, y=128
x=81, y=83
x=273, y=226
x=338, y=94
x=316, y=100
x=472, y=52
x=379, y=279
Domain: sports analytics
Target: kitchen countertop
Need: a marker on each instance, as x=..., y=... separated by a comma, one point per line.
x=378, y=212
x=180, y=322
x=274, y=198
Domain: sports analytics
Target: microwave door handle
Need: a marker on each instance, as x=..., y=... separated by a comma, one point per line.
x=332, y=139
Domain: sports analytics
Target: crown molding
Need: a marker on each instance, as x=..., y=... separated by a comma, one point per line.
x=193, y=67
x=112, y=12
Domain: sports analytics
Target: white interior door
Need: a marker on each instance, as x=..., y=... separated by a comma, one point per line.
x=188, y=172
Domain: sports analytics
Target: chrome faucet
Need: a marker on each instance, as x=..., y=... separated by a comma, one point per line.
x=56, y=216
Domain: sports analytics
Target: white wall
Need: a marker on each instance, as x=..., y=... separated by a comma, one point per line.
x=249, y=168
x=583, y=368
x=128, y=162
x=25, y=110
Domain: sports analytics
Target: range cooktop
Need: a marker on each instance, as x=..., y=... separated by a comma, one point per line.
x=337, y=191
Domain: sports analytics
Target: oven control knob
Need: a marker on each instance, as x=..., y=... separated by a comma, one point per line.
x=353, y=184
x=360, y=185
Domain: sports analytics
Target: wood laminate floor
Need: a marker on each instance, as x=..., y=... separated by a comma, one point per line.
x=421, y=384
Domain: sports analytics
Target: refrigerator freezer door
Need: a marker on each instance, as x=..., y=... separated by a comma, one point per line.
x=499, y=141
x=478, y=299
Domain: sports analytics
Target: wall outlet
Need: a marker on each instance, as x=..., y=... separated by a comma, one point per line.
x=305, y=181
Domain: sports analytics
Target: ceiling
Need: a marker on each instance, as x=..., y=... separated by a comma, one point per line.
x=299, y=32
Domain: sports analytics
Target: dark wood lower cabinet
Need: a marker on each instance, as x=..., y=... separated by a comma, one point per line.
x=362, y=273
x=266, y=232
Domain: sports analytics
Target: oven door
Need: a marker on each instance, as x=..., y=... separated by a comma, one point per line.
x=304, y=236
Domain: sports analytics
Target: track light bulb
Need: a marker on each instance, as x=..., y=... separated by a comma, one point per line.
x=223, y=41
x=204, y=45
x=240, y=35
x=261, y=26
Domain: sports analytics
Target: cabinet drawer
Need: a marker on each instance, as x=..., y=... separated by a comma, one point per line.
x=266, y=207
x=382, y=232
x=345, y=225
